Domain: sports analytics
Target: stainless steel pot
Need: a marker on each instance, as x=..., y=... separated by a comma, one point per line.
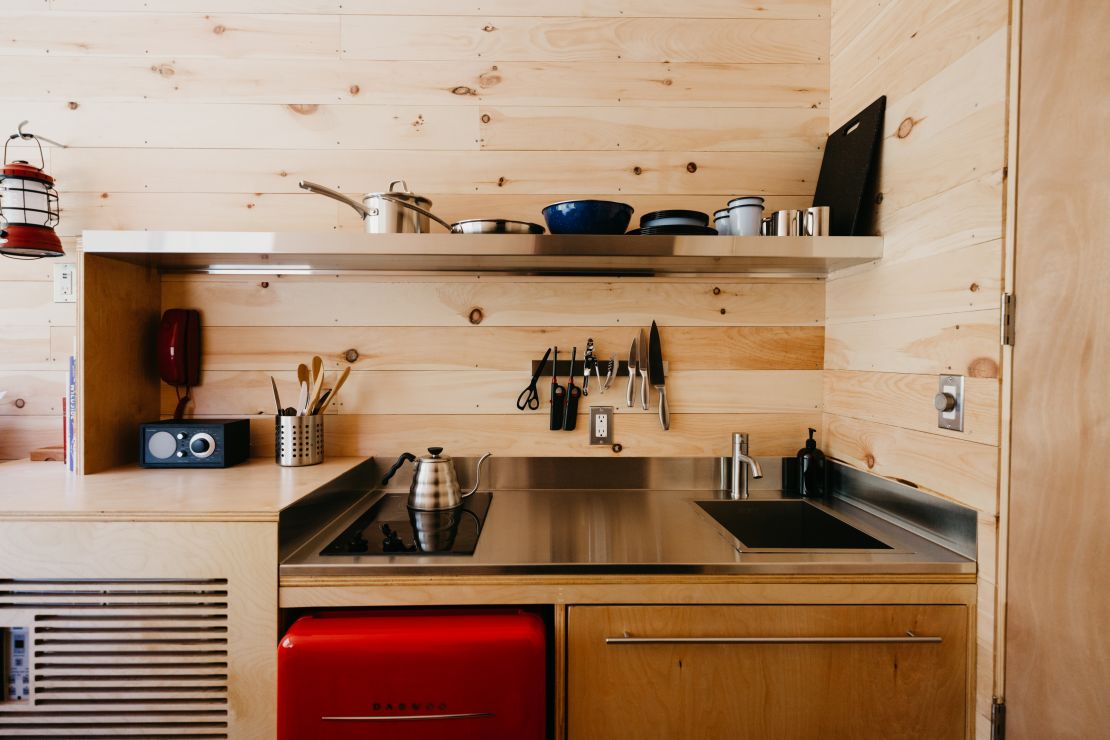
x=393, y=212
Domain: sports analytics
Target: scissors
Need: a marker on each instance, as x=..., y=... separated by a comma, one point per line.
x=529, y=397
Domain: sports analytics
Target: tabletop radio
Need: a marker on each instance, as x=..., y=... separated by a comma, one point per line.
x=194, y=443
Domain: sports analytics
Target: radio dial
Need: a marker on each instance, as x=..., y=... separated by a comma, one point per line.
x=202, y=445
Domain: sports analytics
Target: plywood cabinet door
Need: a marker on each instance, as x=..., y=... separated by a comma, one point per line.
x=767, y=672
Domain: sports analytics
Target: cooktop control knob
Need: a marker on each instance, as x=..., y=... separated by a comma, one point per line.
x=202, y=445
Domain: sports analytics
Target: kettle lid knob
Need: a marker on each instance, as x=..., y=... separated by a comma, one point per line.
x=435, y=451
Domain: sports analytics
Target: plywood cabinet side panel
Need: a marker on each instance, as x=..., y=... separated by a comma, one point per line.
x=516, y=434
x=503, y=348
x=963, y=471
x=117, y=384
x=461, y=38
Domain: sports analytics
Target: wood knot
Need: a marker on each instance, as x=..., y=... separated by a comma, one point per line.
x=878, y=198
x=974, y=287
x=354, y=89
x=667, y=82
x=501, y=182
x=724, y=311
x=691, y=166
x=476, y=316
x=637, y=170
x=618, y=448
x=463, y=90
x=489, y=28
x=869, y=459
x=716, y=291
x=72, y=105
x=165, y=70
x=20, y=403
x=104, y=196
x=219, y=29
x=265, y=284
x=351, y=355
x=283, y=173
x=489, y=79
x=983, y=367
x=486, y=118
x=250, y=205
x=905, y=127
x=304, y=109
x=419, y=121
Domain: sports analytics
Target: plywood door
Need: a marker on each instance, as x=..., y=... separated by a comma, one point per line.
x=1058, y=605
x=767, y=690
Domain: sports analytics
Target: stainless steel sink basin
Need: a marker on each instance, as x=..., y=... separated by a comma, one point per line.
x=787, y=525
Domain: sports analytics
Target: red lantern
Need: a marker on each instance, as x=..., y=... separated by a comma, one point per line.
x=28, y=208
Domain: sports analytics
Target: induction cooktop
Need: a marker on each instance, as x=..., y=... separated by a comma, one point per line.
x=390, y=527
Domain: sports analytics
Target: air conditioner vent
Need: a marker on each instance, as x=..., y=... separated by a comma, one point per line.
x=120, y=658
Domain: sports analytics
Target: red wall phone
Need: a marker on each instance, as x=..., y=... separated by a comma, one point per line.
x=179, y=352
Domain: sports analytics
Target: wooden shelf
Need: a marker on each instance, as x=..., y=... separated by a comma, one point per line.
x=249, y=252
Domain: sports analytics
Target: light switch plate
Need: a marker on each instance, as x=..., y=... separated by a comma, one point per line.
x=65, y=283
x=601, y=425
x=951, y=385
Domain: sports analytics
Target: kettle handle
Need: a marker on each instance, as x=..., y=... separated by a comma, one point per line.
x=397, y=465
x=477, y=475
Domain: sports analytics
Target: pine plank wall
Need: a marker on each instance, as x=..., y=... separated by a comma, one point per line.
x=196, y=114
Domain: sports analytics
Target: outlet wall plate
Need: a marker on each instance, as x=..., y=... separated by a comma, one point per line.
x=65, y=283
x=601, y=425
x=950, y=393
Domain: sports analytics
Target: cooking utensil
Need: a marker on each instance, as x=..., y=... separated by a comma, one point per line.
x=846, y=182
x=587, y=217
x=558, y=395
x=815, y=221
x=289, y=411
x=434, y=484
x=589, y=364
x=530, y=396
x=317, y=383
x=299, y=440
x=386, y=213
x=495, y=226
x=302, y=374
x=655, y=370
x=330, y=396
x=277, y=396
x=611, y=373
x=642, y=366
x=302, y=400
x=570, y=418
x=633, y=358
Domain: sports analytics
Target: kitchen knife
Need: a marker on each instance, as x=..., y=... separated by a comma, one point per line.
x=655, y=370
x=642, y=366
x=633, y=354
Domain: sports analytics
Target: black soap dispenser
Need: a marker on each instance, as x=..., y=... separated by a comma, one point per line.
x=811, y=469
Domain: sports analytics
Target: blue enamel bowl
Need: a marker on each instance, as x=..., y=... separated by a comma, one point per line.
x=587, y=217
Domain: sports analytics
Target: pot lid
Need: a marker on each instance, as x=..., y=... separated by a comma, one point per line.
x=21, y=168
x=402, y=194
x=435, y=454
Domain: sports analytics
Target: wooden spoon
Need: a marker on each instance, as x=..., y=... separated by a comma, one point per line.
x=335, y=391
x=317, y=383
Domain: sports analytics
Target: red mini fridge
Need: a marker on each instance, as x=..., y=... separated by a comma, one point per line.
x=412, y=675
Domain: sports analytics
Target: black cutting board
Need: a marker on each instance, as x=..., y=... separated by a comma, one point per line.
x=849, y=170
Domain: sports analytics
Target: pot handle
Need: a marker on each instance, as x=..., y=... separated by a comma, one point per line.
x=397, y=465
x=412, y=207
x=477, y=475
x=336, y=195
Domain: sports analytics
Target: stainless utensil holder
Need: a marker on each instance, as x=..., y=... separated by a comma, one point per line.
x=299, y=440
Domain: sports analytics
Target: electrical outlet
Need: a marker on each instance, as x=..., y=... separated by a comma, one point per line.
x=65, y=283
x=601, y=425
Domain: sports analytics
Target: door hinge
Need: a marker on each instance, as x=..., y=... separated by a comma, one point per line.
x=1008, y=309
x=998, y=719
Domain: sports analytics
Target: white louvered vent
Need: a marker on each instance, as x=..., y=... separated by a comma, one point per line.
x=120, y=658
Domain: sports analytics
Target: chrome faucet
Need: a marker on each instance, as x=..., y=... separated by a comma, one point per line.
x=740, y=464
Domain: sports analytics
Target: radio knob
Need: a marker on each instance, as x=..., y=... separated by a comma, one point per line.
x=202, y=445
x=180, y=454
x=180, y=435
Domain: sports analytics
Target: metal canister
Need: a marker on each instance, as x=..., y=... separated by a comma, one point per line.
x=299, y=440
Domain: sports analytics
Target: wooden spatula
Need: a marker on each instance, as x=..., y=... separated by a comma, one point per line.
x=334, y=391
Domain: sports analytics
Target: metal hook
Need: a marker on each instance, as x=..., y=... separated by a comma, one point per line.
x=27, y=136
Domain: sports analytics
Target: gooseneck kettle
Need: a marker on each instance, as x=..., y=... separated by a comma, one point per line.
x=435, y=486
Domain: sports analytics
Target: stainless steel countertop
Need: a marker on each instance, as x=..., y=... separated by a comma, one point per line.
x=558, y=532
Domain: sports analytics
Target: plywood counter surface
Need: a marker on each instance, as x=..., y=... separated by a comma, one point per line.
x=254, y=491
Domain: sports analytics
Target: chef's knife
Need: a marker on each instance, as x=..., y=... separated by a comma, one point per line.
x=655, y=370
x=558, y=395
x=633, y=355
x=570, y=418
x=642, y=366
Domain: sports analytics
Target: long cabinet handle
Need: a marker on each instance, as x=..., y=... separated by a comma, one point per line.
x=409, y=717
x=817, y=640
